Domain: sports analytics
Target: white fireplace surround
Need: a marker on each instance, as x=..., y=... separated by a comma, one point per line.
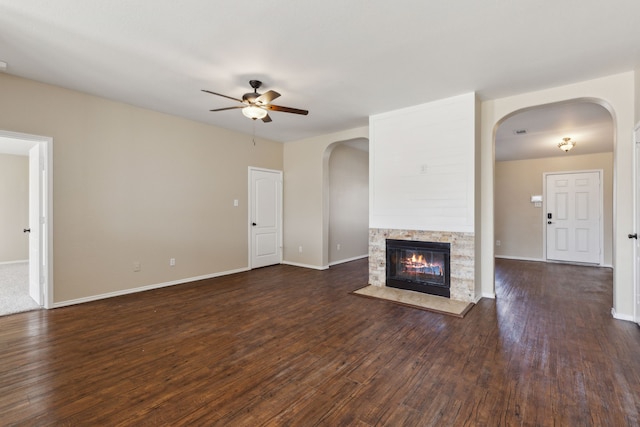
x=462, y=257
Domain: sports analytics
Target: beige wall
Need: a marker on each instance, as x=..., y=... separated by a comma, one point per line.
x=519, y=225
x=135, y=185
x=617, y=94
x=14, y=202
x=306, y=198
x=348, y=203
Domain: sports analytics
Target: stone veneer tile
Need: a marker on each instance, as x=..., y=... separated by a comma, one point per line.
x=462, y=259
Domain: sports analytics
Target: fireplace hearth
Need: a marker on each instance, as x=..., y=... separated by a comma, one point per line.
x=418, y=266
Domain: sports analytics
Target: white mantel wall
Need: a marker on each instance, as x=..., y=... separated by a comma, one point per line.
x=423, y=185
x=422, y=165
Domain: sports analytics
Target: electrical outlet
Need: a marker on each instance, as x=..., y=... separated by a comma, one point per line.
x=136, y=266
x=300, y=249
x=498, y=242
x=338, y=246
x=172, y=262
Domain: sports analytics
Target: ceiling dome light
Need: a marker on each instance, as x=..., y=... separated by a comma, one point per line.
x=254, y=112
x=566, y=144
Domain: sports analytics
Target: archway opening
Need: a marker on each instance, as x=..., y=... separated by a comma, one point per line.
x=346, y=201
x=526, y=148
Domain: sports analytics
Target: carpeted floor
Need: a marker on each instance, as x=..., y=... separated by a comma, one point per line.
x=14, y=289
x=416, y=299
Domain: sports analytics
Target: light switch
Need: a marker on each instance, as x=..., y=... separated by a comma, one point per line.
x=235, y=202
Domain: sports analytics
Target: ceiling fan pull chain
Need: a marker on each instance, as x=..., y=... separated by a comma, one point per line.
x=254, y=133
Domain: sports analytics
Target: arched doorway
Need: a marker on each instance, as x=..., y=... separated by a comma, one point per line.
x=346, y=201
x=526, y=151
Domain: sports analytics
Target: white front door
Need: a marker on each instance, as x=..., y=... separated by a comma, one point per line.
x=265, y=216
x=35, y=224
x=574, y=220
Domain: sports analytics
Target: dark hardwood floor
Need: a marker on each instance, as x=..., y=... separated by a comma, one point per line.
x=289, y=346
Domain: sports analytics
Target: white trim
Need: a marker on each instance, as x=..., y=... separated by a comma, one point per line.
x=518, y=258
x=297, y=264
x=488, y=295
x=634, y=183
x=478, y=298
x=14, y=262
x=626, y=317
x=342, y=261
x=146, y=288
x=553, y=261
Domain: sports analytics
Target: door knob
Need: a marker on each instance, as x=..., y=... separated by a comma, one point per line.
x=549, y=222
x=254, y=224
x=633, y=236
x=26, y=230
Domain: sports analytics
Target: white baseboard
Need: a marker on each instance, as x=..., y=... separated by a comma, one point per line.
x=314, y=267
x=519, y=258
x=490, y=295
x=14, y=262
x=145, y=288
x=618, y=316
x=342, y=261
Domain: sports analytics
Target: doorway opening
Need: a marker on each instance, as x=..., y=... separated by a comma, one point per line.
x=346, y=201
x=526, y=148
x=38, y=150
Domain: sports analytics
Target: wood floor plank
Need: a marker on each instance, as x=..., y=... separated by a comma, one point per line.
x=284, y=345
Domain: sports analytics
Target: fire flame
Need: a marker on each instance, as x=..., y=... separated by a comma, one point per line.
x=418, y=260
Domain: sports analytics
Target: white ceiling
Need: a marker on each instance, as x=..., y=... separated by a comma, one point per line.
x=341, y=60
x=588, y=124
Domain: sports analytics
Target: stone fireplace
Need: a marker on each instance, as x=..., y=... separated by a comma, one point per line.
x=461, y=258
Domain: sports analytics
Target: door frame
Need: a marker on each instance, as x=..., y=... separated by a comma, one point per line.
x=600, y=207
x=636, y=224
x=45, y=152
x=251, y=169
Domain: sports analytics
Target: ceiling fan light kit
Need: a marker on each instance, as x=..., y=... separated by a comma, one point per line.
x=254, y=112
x=566, y=144
x=255, y=105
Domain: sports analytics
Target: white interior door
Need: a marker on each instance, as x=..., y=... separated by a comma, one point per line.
x=35, y=224
x=574, y=219
x=265, y=216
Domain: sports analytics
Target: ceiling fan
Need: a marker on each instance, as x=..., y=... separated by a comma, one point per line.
x=255, y=105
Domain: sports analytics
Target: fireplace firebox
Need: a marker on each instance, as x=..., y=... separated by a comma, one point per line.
x=418, y=266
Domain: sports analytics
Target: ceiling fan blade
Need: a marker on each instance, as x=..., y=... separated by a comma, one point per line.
x=266, y=119
x=228, y=108
x=224, y=96
x=267, y=97
x=286, y=109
